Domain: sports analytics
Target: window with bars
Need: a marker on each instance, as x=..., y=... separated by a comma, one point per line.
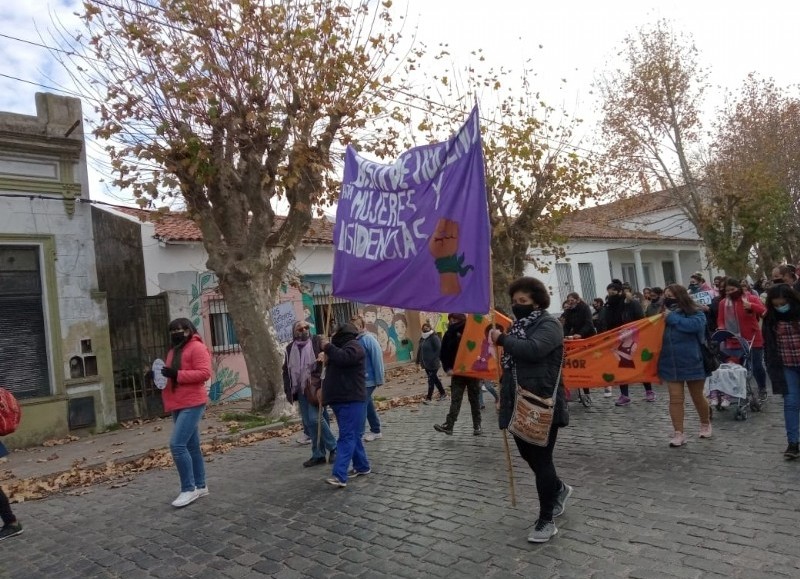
x=223, y=334
x=24, y=363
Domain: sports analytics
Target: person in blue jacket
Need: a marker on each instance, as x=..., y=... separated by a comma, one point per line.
x=681, y=360
x=374, y=375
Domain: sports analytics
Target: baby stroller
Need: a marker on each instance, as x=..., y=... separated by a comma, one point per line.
x=734, y=377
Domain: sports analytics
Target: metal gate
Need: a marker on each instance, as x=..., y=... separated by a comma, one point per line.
x=139, y=335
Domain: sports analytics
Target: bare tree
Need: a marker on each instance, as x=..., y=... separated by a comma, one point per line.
x=233, y=106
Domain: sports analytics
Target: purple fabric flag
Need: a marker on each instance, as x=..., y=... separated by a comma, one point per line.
x=415, y=234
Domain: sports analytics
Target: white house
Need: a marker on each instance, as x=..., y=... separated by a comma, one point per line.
x=645, y=240
x=54, y=333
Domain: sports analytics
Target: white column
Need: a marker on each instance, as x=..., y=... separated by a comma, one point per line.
x=676, y=258
x=637, y=262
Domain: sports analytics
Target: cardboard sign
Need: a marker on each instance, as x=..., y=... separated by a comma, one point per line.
x=477, y=357
x=703, y=298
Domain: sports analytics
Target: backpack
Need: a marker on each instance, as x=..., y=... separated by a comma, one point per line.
x=10, y=412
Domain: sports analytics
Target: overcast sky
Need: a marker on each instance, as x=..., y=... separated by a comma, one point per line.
x=578, y=39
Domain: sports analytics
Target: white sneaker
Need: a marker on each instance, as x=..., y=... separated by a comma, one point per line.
x=185, y=499
x=370, y=436
x=607, y=393
x=202, y=492
x=303, y=439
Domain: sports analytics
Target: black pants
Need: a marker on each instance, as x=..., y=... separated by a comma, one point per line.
x=540, y=459
x=473, y=387
x=434, y=382
x=5, y=509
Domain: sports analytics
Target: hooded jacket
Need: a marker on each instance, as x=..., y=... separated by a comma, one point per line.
x=189, y=390
x=345, y=373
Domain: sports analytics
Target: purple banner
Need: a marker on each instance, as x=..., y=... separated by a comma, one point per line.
x=415, y=234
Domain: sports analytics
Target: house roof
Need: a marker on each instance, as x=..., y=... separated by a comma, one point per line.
x=179, y=227
x=607, y=221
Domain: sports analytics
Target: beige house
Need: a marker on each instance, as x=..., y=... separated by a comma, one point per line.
x=54, y=335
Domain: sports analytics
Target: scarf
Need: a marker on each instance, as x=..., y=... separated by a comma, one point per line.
x=301, y=362
x=518, y=330
x=426, y=335
x=731, y=321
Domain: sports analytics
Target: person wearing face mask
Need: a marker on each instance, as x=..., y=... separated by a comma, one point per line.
x=782, y=354
x=577, y=320
x=697, y=284
x=344, y=389
x=187, y=369
x=620, y=309
x=458, y=384
x=533, y=352
x=656, y=302
x=430, y=346
x=681, y=360
x=740, y=313
x=300, y=363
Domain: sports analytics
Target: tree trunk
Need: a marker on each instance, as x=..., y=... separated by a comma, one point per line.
x=249, y=298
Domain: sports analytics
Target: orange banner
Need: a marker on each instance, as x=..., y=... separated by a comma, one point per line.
x=624, y=355
x=477, y=357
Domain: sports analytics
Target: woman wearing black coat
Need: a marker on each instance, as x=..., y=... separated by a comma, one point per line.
x=533, y=355
x=578, y=324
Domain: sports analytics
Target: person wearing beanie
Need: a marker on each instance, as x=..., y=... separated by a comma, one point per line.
x=344, y=390
x=458, y=384
x=620, y=308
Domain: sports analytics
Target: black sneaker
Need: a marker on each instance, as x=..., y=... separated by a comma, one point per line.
x=10, y=530
x=762, y=395
x=353, y=473
x=443, y=428
x=314, y=461
x=792, y=451
x=477, y=431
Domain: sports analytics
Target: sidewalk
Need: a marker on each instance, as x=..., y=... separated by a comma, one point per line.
x=137, y=439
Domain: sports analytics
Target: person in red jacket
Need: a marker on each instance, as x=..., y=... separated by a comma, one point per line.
x=739, y=313
x=187, y=368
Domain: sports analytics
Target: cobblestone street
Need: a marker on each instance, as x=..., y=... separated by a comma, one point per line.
x=439, y=506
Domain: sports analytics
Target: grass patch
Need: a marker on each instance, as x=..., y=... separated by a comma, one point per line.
x=243, y=420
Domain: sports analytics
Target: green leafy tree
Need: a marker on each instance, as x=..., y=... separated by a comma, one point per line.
x=752, y=178
x=235, y=106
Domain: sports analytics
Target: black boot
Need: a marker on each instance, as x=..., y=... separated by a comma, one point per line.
x=792, y=451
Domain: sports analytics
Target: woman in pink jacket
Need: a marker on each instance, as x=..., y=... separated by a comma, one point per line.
x=740, y=313
x=188, y=368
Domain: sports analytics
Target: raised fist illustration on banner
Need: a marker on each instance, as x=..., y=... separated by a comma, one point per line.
x=443, y=245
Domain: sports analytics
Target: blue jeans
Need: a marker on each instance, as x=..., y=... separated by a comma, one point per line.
x=184, y=444
x=309, y=414
x=372, y=414
x=350, y=447
x=490, y=389
x=791, y=403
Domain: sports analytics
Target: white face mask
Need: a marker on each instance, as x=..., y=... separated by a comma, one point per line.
x=427, y=334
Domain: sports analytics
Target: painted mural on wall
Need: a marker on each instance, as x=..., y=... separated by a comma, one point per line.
x=207, y=310
x=437, y=320
x=390, y=328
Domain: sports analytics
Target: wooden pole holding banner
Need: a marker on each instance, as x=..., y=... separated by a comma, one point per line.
x=509, y=464
x=319, y=400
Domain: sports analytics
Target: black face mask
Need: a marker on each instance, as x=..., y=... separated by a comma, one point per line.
x=670, y=303
x=302, y=336
x=177, y=339
x=522, y=310
x=616, y=299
